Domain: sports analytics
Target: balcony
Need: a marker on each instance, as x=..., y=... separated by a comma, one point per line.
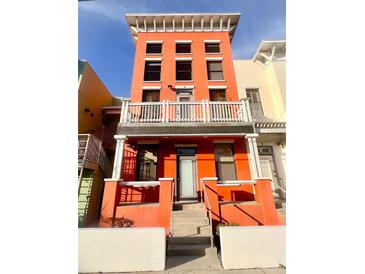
x=185, y=118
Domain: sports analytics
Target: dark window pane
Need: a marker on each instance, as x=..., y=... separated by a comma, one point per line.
x=215, y=70
x=152, y=71
x=151, y=96
x=183, y=48
x=226, y=171
x=147, y=163
x=183, y=70
x=154, y=48
x=212, y=48
x=217, y=95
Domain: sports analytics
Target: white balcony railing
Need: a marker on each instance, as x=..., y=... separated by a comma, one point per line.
x=180, y=112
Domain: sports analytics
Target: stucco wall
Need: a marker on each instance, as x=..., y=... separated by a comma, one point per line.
x=94, y=95
x=269, y=81
x=121, y=249
x=252, y=246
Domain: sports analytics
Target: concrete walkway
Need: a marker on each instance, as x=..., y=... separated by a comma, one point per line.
x=240, y=271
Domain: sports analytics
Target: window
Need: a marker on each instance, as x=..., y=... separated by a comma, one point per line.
x=154, y=48
x=183, y=70
x=151, y=96
x=255, y=102
x=212, y=48
x=152, y=71
x=147, y=162
x=183, y=48
x=224, y=162
x=217, y=95
x=215, y=70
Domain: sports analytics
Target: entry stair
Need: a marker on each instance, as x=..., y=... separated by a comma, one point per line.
x=189, y=247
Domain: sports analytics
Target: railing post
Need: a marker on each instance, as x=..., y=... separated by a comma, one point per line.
x=163, y=111
x=167, y=111
x=244, y=116
x=203, y=108
x=208, y=110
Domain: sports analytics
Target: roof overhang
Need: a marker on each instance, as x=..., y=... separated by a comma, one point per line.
x=269, y=51
x=181, y=22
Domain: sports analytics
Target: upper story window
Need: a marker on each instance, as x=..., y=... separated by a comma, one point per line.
x=212, y=48
x=215, y=70
x=183, y=48
x=253, y=95
x=217, y=95
x=154, y=48
x=183, y=71
x=152, y=71
x=224, y=162
x=151, y=96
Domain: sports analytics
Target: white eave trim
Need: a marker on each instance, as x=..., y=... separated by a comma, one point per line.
x=153, y=59
x=154, y=42
x=212, y=41
x=182, y=41
x=217, y=87
x=151, y=87
x=183, y=58
x=214, y=58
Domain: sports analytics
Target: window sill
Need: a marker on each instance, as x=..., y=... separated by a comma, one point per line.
x=216, y=80
x=182, y=53
x=154, y=54
x=151, y=81
x=182, y=81
x=212, y=53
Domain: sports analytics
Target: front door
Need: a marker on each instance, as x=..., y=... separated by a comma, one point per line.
x=269, y=171
x=184, y=112
x=186, y=177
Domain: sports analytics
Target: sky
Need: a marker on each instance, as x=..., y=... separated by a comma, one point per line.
x=104, y=40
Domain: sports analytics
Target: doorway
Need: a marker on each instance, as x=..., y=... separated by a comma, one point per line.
x=186, y=174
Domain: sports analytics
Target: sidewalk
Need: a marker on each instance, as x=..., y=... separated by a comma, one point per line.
x=240, y=271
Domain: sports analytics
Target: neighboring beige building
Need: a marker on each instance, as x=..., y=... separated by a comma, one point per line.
x=262, y=80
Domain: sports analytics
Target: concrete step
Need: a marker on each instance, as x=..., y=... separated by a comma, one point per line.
x=188, y=206
x=187, y=249
x=198, y=220
x=189, y=214
x=189, y=240
x=191, y=231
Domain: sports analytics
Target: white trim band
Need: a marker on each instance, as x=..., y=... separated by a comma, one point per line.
x=182, y=41
x=212, y=41
x=154, y=42
x=214, y=58
x=183, y=58
x=151, y=87
x=153, y=59
x=184, y=87
x=217, y=87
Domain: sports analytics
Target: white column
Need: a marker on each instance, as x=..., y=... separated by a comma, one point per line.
x=118, y=158
x=253, y=155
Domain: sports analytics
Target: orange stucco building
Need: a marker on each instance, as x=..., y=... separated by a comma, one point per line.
x=184, y=134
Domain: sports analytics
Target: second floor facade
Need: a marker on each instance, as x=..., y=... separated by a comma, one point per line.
x=183, y=70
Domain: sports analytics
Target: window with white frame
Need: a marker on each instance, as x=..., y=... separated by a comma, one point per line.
x=224, y=162
x=253, y=95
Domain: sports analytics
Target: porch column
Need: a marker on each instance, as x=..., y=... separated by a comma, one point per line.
x=253, y=155
x=118, y=158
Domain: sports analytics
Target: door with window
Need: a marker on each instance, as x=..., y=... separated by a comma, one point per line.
x=186, y=174
x=184, y=111
x=268, y=168
x=217, y=111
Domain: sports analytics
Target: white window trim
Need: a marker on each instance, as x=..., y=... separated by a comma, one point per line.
x=153, y=59
x=151, y=88
x=214, y=58
x=154, y=42
x=183, y=58
x=184, y=87
x=217, y=87
x=212, y=41
x=183, y=41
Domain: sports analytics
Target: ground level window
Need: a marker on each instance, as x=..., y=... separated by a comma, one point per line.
x=147, y=163
x=224, y=162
